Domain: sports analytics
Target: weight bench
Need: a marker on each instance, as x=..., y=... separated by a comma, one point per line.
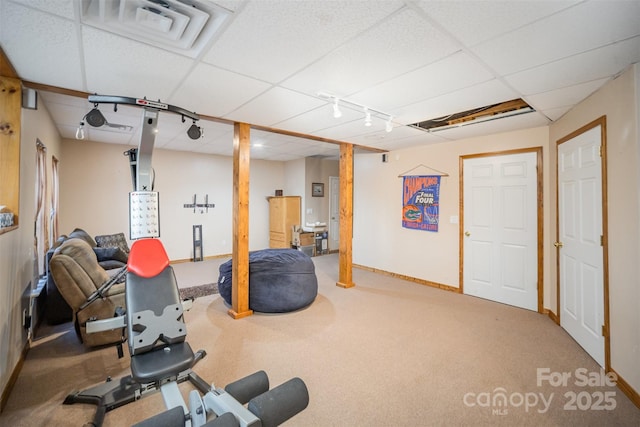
x=161, y=359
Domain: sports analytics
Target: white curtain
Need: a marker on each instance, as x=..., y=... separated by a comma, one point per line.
x=55, y=201
x=41, y=229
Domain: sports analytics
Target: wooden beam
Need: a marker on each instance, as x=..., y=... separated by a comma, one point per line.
x=10, y=126
x=345, y=261
x=240, y=264
x=6, y=67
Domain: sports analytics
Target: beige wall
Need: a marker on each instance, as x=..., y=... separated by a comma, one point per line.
x=379, y=239
x=96, y=181
x=16, y=247
x=618, y=101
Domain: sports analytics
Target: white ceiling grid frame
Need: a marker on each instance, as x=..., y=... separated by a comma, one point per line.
x=22, y=28
x=279, y=47
x=117, y=66
x=216, y=92
x=403, y=41
x=554, y=37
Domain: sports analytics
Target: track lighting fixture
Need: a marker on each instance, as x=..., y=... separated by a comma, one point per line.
x=194, y=131
x=95, y=117
x=368, y=112
x=336, y=109
x=80, y=131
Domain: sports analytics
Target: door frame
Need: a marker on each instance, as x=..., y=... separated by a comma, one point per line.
x=539, y=214
x=602, y=122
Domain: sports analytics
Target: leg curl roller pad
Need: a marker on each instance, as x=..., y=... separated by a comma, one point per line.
x=281, y=403
x=248, y=387
x=225, y=420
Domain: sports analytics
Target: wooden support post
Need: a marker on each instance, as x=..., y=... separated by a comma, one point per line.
x=346, y=217
x=240, y=267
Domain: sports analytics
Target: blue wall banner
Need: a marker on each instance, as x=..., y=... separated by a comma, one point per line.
x=421, y=202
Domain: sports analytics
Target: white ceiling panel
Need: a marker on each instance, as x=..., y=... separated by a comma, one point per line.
x=448, y=75
x=63, y=8
x=574, y=30
x=569, y=95
x=118, y=66
x=467, y=20
x=587, y=66
x=556, y=113
x=270, y=40
x=404, y=42
x=274, y=106
x=34, y=40
x=215, y=92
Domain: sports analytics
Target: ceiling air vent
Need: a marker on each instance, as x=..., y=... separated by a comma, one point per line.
x=478, y=115
x=181, y=26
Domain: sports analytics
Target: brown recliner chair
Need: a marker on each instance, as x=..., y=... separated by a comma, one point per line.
x=79, y=278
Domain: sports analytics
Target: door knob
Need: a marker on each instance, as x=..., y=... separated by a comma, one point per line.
x=466, y=233
x=558, y=244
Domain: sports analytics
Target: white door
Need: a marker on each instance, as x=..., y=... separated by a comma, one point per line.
x=334, y=212
x=500, y=220
x=580, y=251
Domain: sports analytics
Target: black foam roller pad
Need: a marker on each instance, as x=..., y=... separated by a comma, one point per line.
x=281, y=403
x=225, y=420
x=245, y=389
x=172, y=418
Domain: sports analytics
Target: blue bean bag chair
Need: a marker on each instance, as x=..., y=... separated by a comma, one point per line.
x=280, y=280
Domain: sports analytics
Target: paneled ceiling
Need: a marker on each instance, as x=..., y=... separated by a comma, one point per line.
x=265, y=62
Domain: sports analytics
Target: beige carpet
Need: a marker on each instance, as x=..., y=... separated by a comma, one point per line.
x=384, y=353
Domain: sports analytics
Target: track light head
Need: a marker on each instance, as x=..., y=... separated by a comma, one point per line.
x=194, y=131
x=336, y=109
x=388, y=126
x=80, y=131
x=95, y=118
x=367, y=117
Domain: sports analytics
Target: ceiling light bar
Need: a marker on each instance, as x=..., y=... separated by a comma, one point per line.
x=368, y=112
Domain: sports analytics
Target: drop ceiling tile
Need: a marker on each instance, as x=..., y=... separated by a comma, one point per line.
x=555, y=113
x=569, y=95
x=119, y=66
x=215, y=92
x=570, y=32
x=480, y=95
x=403, y=42
x=591, y=65
x=270, y=40
x=63, y=8
x=274, y=106
x=467, y=20
x=34, y=40
x=448, y=75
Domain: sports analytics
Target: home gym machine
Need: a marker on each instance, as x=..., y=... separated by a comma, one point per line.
x=160, y=356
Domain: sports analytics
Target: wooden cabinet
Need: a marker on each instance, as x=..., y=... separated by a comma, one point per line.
x=284, y=213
